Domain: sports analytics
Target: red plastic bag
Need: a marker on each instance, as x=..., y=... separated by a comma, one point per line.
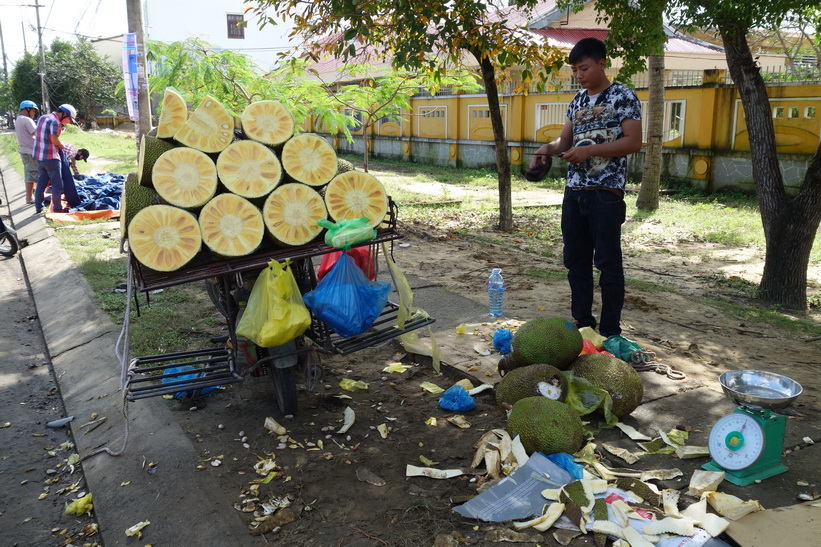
x=361, y=256
x=589, y=347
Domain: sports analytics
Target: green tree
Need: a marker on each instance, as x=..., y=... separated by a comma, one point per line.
x=78, y=75
x=385, y=94
x=195, y=68
x=790, y=224
x=433, y=36
x=24, y=82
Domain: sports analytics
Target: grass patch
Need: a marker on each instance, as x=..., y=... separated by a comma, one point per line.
x=10, y=149
x=773, y=319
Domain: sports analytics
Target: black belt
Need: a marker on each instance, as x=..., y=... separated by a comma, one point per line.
x=617, y=191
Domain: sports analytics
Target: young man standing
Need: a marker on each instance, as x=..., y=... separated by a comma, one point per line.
x=47, y=149
x=25, y=127
x=603, y=126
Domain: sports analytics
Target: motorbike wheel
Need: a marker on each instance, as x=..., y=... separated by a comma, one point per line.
x=284, y=383
x=8, y=244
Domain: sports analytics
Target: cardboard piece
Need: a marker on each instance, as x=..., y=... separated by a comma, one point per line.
x=792, y=525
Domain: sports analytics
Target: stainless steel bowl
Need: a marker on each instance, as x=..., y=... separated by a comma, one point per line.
x=759, y=388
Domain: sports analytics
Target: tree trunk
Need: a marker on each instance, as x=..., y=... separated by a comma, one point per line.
x=790, y=225
x=649, y=192
x=500, y=142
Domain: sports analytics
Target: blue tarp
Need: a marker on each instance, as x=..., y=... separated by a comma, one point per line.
x=99, y=192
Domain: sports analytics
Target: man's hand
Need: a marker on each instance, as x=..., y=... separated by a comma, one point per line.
x=577, y=154
x=538, y=158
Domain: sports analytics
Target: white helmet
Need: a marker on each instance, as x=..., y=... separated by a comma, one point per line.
x=68, y=109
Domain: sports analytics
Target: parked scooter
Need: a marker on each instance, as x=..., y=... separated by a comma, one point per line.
x=9, y=244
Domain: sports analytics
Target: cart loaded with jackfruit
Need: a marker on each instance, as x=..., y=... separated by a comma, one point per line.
x=262, y=216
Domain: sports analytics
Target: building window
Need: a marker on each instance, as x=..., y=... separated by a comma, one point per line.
x=236, y=26
x=809, y=112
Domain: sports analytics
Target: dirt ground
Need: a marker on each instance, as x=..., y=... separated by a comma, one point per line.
x=351, y=489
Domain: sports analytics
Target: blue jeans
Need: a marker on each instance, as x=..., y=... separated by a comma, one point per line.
x=591, y=232
x=49, y=171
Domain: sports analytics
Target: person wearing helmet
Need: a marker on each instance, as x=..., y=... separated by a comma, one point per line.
x=25, y=127
x=48, y=151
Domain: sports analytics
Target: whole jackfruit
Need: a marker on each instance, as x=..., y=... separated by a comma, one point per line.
x=554, y=341
x=545, y=425
x=531, y=381
x=613, y=375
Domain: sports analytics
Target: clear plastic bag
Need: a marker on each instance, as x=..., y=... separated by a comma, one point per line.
x=345, y=300
x=276, y=313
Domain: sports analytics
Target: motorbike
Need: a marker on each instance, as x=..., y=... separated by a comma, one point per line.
x=9, y=244
x=227, y=293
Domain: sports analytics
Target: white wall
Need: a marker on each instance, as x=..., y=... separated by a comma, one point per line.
x=171, y=21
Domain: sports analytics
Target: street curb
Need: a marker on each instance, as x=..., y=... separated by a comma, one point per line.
x=80, y=339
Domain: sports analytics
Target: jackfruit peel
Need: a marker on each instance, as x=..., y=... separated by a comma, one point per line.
x=709, y=522
x=352, y=385
x=415, y=471
x=657, y=446
x=730, y=506
x=137, y=529
x=625, y=455
x=274, y=427
x=348, y=421
x=670, y=525
x=631, y=432
x=396, y=368
x=586, y=398
x=704, y=481
x=430, y=387
x=544, y=521
x=80, y=506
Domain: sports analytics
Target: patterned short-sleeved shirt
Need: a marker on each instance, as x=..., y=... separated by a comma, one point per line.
x=597, y=123
x=43, y=148
x=71, y=155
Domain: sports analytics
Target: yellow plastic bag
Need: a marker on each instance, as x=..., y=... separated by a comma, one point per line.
x=275, y=313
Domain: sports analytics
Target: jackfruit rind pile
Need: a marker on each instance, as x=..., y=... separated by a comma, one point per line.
x=588, y=383
x=192, y=159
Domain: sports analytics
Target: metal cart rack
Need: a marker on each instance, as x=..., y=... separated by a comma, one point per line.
x=155, y=375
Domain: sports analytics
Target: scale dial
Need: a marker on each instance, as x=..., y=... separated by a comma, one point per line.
x=736, y=441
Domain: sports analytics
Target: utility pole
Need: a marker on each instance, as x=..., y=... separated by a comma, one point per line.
x=135, y=25
x=3, y=50
x=23, y=28
x=44, y=104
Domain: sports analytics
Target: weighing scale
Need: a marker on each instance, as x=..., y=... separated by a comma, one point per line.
x=747, y=443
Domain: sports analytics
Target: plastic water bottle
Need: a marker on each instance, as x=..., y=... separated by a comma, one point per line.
x=495, y=290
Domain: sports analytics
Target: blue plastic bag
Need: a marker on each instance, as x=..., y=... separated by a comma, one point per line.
x=456, y=399
x=566, y=462
x=502, y=340
x=345, y=300
x=194, y=374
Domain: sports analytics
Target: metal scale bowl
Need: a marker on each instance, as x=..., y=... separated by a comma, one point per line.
x=747, y=443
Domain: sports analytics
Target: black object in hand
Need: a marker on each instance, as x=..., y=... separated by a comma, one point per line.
x=538, y=172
